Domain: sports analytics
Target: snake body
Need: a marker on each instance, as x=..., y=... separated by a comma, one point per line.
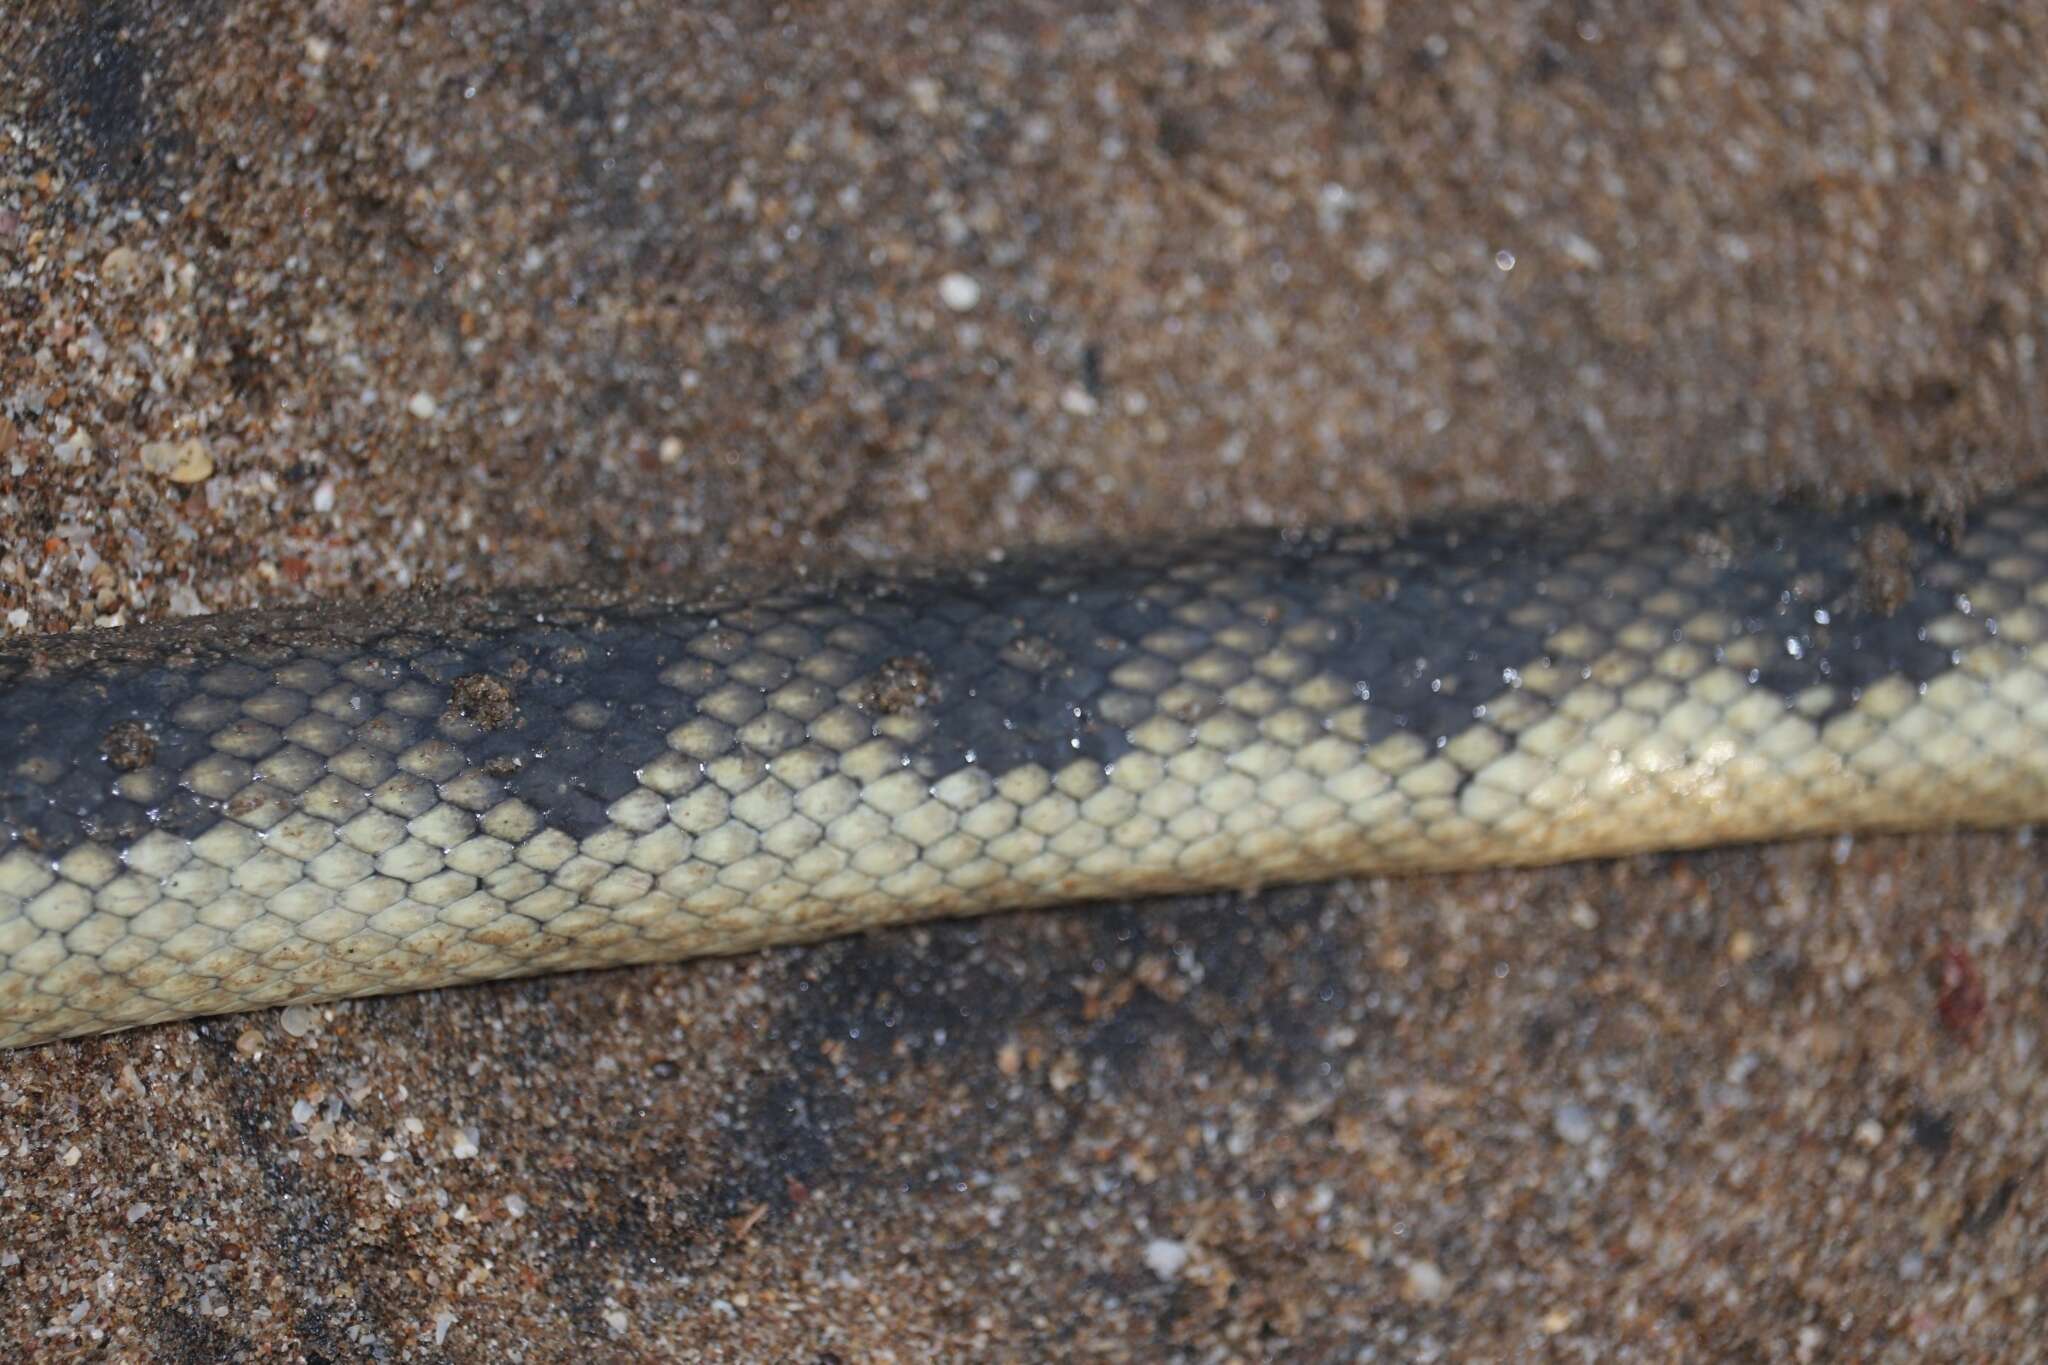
x=314, y=803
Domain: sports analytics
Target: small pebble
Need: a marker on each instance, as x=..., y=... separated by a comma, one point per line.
x=924, y=92
x=1166, y=1258
x=465, y=1145
x=187, y=461
x=1581, y=252
x=959, y=292
x=1573, y=1124
x=121, y=268
x=422, y=405
x=298, y=1020
x=1078, y=401
x=1424, y=1283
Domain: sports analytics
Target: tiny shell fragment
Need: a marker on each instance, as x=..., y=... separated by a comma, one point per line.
x=186, y=461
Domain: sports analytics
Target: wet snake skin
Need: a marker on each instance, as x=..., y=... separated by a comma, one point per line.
x=316, y=803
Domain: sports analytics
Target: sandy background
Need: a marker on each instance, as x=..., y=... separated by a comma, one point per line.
x=342, y=298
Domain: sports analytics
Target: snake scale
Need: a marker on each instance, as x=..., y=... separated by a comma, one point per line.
x=312, y=803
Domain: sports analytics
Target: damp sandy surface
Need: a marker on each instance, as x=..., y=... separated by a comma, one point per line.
x=351, y=300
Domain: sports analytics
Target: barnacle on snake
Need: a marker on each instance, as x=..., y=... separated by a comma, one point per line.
x=312, y=803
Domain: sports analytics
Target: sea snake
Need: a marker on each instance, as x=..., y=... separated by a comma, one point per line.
x=311, y=803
